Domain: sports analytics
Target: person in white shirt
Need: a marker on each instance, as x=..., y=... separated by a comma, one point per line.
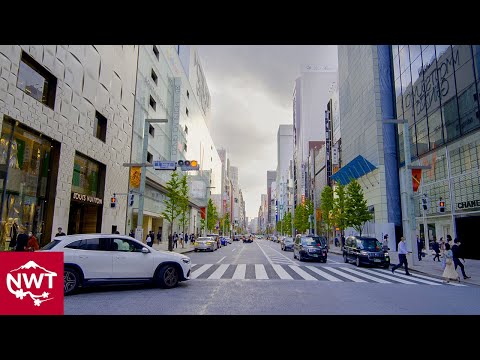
x=402, y=256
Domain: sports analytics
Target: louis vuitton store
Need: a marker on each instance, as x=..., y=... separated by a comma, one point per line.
x=28, y=179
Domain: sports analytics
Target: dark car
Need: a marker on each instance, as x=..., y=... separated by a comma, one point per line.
x=286, y=243
x=309, y=247
x=248, y=239
x=366, y=251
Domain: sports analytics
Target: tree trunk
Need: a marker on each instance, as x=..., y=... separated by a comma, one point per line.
x=170, y=238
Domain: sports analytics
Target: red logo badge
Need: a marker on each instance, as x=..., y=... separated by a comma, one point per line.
x=31, y=283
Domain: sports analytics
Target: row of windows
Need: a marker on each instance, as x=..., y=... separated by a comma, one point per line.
x=37, y=82
x=105, y=244
x=436, y=90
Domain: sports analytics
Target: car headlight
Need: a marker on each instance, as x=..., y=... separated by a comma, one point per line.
x=386, y=255
x=363, y=253
x=186, y=260
x=209, y=243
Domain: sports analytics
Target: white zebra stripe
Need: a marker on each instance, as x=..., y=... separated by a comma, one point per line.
x=240, y=271
x=200, y=271
x=260, y=272
x=217, y=274
x=345, y=275
x=324, y=274
x=281, y=272
x=301, y=272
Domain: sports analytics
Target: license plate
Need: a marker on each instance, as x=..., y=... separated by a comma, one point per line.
x=315, y=255
x=377, y=260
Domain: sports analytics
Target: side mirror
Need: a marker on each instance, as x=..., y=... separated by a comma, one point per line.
x=145, y=250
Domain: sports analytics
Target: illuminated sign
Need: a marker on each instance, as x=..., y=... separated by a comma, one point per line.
x=86, y=198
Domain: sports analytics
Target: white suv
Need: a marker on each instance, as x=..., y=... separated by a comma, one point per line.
x=96, y=259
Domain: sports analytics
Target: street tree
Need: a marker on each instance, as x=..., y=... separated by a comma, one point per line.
x=212, y=215
x=299, y=219
x=338, y=217
x=308, y=214
x=184, y=203
x=356, y=209
x=326, y=206
x=172, y=204
x=287, y=223
x=225, y=222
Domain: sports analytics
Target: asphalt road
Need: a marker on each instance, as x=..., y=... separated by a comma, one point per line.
x=258, y=278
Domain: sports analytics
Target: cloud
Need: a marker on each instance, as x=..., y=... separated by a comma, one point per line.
x=251, y=89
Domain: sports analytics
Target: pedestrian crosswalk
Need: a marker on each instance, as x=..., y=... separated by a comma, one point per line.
x=309, y=273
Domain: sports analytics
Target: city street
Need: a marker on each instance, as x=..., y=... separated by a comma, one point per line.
x=259, y=278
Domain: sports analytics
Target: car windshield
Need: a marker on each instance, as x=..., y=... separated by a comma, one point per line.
x=369, y=244
x=204, y=239
x=288, y=240
x=314, y=241
x=51, y=245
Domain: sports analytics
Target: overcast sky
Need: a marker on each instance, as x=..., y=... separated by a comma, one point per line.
x=251, y=90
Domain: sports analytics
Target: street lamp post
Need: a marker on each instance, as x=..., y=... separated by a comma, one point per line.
x=143, y=175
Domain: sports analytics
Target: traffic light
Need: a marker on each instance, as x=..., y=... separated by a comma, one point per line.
x=113, y=201
x=187, y=165
x=441, y=206
x=131, y=198
x=425, y=204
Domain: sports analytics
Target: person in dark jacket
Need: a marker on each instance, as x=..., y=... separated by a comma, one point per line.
x=456, y=257
x=436, y=248
x=22, y=240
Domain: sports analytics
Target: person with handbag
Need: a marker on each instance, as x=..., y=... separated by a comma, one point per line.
x=449, y=273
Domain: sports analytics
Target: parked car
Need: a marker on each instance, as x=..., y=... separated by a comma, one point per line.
x=286, y=243
x=99, y=259
x=217, y=239
x=228, y=239
x=223, y=241
x=365, y=250
x=236, y=237
x=309, y=247
x=205, y=243
x=248, y=239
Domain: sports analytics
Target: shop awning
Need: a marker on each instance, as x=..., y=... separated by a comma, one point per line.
x=355, y=169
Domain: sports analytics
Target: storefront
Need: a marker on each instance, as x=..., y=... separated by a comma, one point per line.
x=28, y=180
x=86, y=205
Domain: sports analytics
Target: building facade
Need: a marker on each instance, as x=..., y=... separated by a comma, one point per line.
x=66, y=114
x=284, y=156
x=271, y=177
x=436, y=91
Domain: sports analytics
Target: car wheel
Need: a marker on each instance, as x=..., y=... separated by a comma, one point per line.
x=345, y=258
x=357, y=262
x=71, y=281
x=167, y=277
x=386, y=266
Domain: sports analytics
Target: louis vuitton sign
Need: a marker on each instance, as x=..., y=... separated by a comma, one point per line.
x=86, y=198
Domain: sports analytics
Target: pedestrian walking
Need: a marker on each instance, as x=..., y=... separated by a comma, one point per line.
x=32, y=244
x=60, y=232
x=343, y=241
x=402, y=256
x=186, y=239
x=436, y=248
x=175, y=240
x=132, y=233
x=22, y=239
x=149, y=240
x=181, y=237
x=159, y=235
x=419, y=248
x=385, y=243
x=449, y=272
x=457, y=255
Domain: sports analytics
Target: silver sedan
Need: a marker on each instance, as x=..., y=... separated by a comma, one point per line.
x=205, y=243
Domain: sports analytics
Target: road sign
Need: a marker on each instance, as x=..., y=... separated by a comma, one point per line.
x=164, y=165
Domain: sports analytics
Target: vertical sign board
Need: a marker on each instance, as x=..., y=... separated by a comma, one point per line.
x=176, y=117
x=328, y=146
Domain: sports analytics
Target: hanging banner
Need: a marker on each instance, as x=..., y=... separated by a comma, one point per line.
x=416, y=178
x=202, y=212
x=135, y=173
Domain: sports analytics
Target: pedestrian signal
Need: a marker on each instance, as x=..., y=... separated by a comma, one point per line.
x=113, y=201
x=441, y=206
x=131, y=198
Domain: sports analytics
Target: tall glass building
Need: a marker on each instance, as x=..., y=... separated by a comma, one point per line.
x=436, y=91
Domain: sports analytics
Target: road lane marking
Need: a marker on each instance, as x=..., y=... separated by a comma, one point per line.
x=412, y=277
x=281, y=272
x=260, y=272
x=376, y=279
x=217, y=274
x=221, y=259
x=200, y=271
x=345, y=275
x=240, y=271
x=234, y=249
x=332, y=261
x=395, y=278
x=323, y=274
x=301, y=272
x=264, y=253
x=279, y=253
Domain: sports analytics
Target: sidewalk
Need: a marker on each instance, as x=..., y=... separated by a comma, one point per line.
x=430, y=267
x=164, y=246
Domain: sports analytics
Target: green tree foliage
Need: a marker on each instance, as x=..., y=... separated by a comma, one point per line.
x=212, y=215
x=287, y=224
x=308, y=212
x=172, y=204
x=225, y=223
x=339, y=217
x=326, y=206
x=184, y=206
x=299, y=219
x=356, y=209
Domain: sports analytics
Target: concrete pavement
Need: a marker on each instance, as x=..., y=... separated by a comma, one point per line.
x=430, y=267
x=164, y=246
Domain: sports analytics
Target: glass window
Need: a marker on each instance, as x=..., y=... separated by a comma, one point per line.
x=407, y=97
x=395, y=50
x=418, y=88
x=464, y=76
x=401, y=151
x=76, y=244
x=85, y=176
x=396, y=67
x=398, y=95
x=95, y=244
x=36, y=81
x=415, y=52
x=435, y=129
x=442, y=52
x=468, y=109
x=428, y=56
x=422, y=129
x=51, y=245
x=450, y=118
x=369, y=244
x=100, y=126
x=413, y=142
x=404, y=59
